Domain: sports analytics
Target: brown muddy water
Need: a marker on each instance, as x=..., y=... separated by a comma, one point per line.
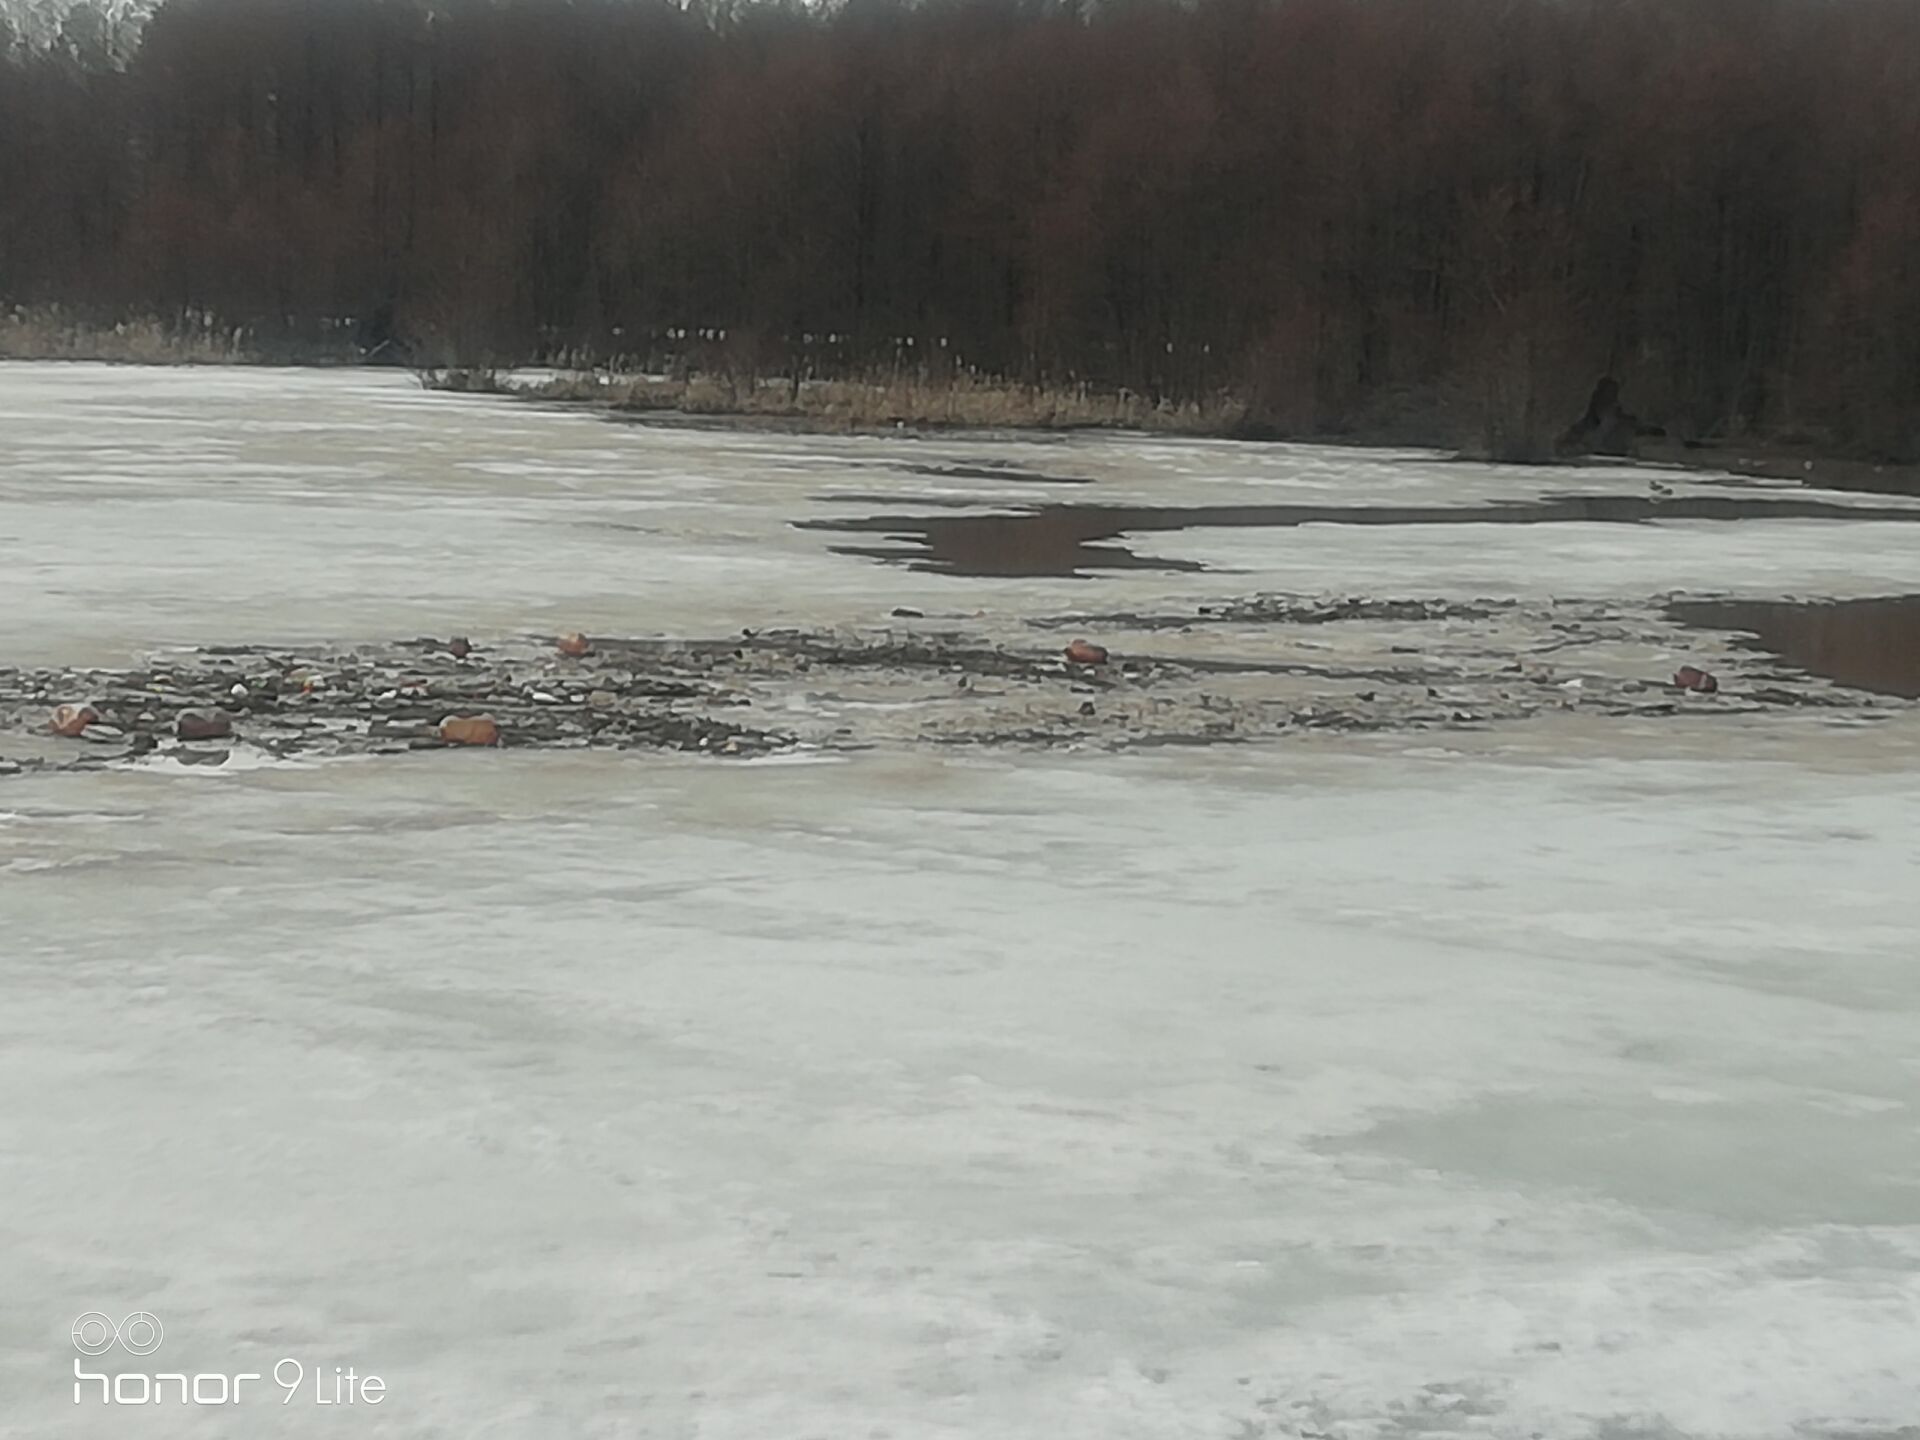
x=1862, y=644
x=1067, y=540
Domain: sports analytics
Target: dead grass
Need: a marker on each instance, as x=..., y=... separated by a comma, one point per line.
x=881, y=403
x=48, y=333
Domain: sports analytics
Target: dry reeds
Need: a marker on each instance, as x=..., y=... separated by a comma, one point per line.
x=49, y=333
x=881, y=402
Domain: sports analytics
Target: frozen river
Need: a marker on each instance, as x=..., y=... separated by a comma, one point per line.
x=1549, y=1081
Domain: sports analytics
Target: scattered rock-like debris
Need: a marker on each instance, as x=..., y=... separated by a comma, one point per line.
x=370, y=699
x=208, y=724
x=470, y=730
x=1264, y=666
x=1269, y=609
x=71, y=721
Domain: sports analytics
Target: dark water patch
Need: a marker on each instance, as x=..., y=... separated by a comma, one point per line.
x=1071, y=539
x=1785, y=462
x=932, y=502
x=1861, y=644
x=1869, y=479
x=996, y=470
x=1052, y=540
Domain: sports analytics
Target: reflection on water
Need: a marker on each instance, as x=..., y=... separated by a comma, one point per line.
x=1863, y=644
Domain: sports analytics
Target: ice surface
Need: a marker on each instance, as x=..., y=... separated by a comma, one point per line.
x=1749, y=557
x=143, y=507
x=1553, y=1084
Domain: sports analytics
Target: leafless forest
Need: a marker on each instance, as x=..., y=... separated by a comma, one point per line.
x=1384, y=218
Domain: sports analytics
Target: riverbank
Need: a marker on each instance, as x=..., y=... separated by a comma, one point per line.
x=191, y=337
x=876, y=402
x=920, y=403
x=916, y=400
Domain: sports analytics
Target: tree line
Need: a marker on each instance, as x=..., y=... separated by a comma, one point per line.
x=1363, y=216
